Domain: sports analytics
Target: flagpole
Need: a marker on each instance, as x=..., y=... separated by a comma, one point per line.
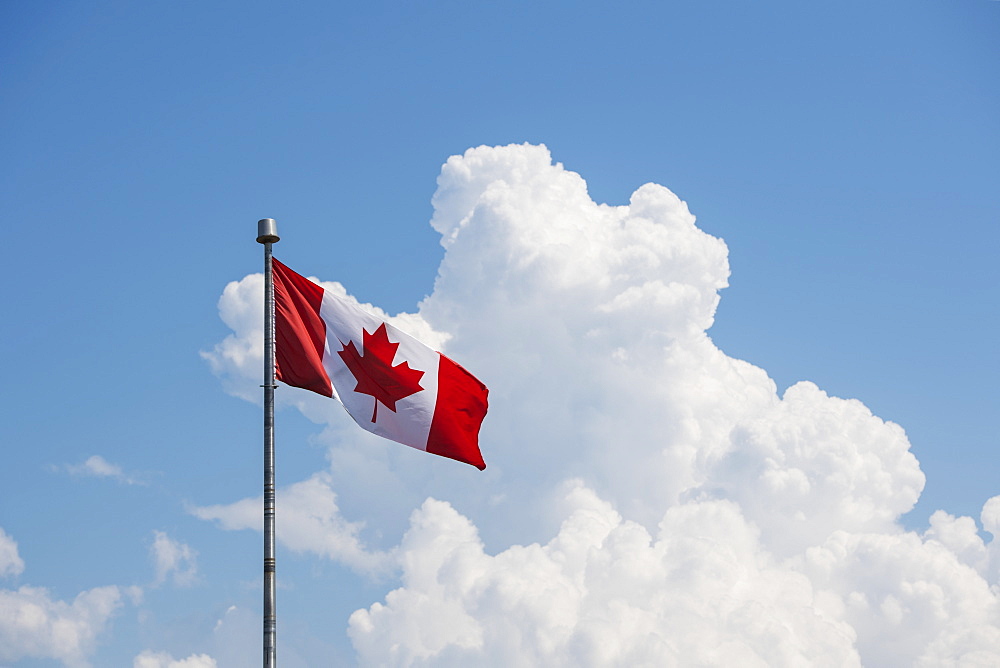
x=267, y=234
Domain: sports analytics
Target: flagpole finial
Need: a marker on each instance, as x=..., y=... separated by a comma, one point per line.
x=267, y=231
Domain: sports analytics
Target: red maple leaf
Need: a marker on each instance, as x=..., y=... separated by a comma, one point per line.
x=375, y=373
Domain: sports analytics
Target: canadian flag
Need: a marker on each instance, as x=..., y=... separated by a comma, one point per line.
x=390, y=383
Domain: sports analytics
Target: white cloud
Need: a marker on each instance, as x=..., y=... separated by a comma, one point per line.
x=717, y=521
x=173, y=560
x=33, y=625
x=812, y=464
x=911, y=601
x=603, y=592
x=98, y=467
x=11, y=563
x=150, y=659
x=239, y=358
x=310, y=522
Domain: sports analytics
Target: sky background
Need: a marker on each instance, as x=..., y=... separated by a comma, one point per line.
x=848, y=154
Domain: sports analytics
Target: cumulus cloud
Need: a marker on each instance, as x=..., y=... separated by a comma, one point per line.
x=34, y=625
x=11, y=563
x=603, y=591
x=714, y=520
x=911, y=601
x=98, y=467
x=701, y=591
x=173, y=560
x=150, y=659
x=812, y=464
x=310, y=522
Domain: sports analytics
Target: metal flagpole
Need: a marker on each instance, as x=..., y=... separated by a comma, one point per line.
x=267, y=234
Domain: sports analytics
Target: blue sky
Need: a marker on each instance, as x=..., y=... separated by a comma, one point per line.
x=848, y=154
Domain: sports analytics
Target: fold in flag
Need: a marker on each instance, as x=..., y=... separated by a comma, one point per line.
x=390, y=383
